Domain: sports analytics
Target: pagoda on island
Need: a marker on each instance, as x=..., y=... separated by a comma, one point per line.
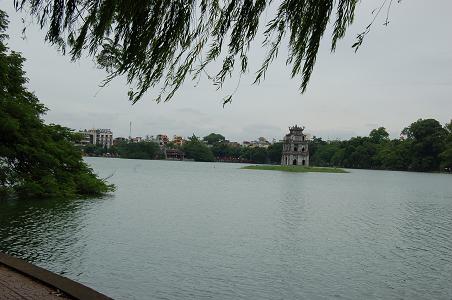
x=295, y=148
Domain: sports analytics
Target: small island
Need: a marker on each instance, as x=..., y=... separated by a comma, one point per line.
x=295, y=155
x=297, y=169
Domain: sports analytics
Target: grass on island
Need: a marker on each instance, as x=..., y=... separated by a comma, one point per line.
x=297, y=169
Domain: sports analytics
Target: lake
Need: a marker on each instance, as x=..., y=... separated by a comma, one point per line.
x=186, y=230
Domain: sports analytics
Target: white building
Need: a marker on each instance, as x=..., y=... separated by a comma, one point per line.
x=100, y=137
x=136, y=139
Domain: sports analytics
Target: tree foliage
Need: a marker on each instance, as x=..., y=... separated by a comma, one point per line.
x=446, y=155
x=223, y=150
x=195, y=149
x=255, y=155
x=425, y=146
x=141, y=150
x=379, y=135
x=163, y=42
x=427, y=138
x=214, y=138
x=275, y=152
x=94, y=150
x=36, y=160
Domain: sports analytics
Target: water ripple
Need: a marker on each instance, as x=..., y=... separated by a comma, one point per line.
x=203, y=231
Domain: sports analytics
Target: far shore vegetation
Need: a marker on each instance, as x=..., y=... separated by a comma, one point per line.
x=37, y=160
x=295, y=169
x=423, y=146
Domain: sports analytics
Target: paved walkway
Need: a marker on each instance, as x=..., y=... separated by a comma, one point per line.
x=14, y=285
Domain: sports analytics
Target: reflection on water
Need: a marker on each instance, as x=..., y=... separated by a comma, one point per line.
x=180, y=230
x=42, y=231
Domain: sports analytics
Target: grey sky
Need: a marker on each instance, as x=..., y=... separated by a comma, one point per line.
x=402, y=72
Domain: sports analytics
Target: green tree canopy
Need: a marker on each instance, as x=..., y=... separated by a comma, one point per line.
x=427, y=138
x=446, y=155
x=94, y=150
x=164, y=42
x=214, y=138
x=256, y=155
x=424, y=146
x=197, y=150
x=275, y=152
x=379, y=135
x=141, y=150
x=36, y=160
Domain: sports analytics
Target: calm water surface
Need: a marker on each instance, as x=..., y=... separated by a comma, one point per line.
x=184, y=230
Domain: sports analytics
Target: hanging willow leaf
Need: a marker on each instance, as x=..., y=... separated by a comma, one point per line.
x=158, y=43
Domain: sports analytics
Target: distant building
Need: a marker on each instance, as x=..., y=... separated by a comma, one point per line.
x=136, y=139
x=295, y=147
x=119, y=140
x=234, y=144
x=162, y=139
x=149, y=138
x=260, y=143
x=99, y=137
x=178, y=140
x=263, y=143
x=104, y=138
x=87, y=138
x=174, y=154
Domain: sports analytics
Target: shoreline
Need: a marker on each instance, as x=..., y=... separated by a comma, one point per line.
x=234, y=162
x=28, y=281
x=294, y=169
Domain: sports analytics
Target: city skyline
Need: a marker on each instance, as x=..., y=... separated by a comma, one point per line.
x=170, y=137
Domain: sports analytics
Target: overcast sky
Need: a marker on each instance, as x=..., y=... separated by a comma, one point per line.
x=402, y=72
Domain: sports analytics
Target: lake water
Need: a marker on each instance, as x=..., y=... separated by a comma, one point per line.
x=185, y=230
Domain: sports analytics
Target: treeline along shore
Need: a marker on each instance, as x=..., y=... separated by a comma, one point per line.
x=424, y=146
x=213, y=147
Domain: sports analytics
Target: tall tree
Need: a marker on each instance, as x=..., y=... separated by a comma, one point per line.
x=197, y=150
x=427, y=137
x=446, y=155
x=141, y=150
x=36, y=160
x=214, y=138
x=275, y=152
x=164, y=42
x=256, y=155
x=379, y=135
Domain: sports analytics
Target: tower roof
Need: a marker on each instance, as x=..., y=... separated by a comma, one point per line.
x=297, y=130
x=296, y=127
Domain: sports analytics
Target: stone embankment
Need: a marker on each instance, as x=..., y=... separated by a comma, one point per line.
x=21, y=280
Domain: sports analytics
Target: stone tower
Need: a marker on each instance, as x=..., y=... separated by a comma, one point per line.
x=295, y=148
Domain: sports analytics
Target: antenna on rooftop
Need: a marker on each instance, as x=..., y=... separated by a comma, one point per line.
x=130, y=130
